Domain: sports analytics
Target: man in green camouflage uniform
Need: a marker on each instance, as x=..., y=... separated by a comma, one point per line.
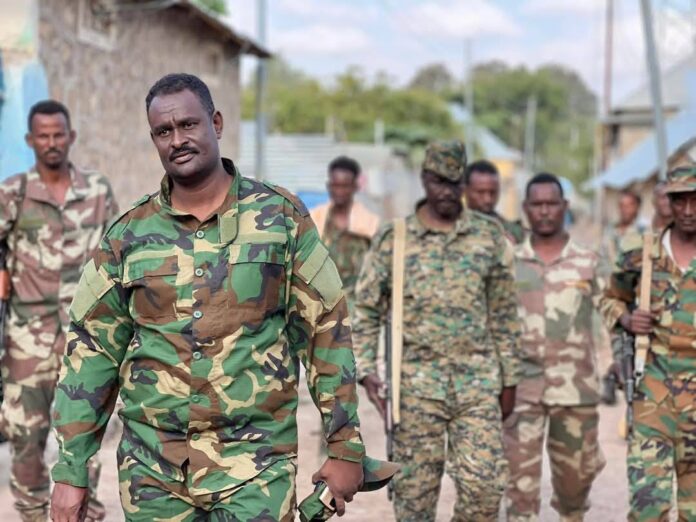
x=346, y=226
x=460, y=359
x=52, y=219
x=663, y=443
x=482, y=193
x=559, y=287
x=198, y=307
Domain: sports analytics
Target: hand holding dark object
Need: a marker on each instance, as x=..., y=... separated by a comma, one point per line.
x=5, y=285
x=638, y=322
x=68, y=503
x=507, y=401
x=343, y=478
x=375, y=392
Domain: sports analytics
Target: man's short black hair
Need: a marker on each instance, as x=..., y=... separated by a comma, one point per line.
x=543, y=177
x=345, y=163
x=632, y=194
x=481, y=166
x=47, y=107
x=174, y=83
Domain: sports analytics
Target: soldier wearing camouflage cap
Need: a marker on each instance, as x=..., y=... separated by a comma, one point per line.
x=663, y=441
x=198, y=308
x=51, y=218
x=460, y=341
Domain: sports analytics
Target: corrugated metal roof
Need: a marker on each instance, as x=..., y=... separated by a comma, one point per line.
x=492, y=146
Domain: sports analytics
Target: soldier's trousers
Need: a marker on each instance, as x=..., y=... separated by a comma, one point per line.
x=574, y=452
x=148, y=496
x=663, y=446
x=29, y=382
x=468, y=435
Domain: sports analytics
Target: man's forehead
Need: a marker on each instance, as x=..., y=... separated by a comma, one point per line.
x=56, y=119
x=181, y=102
x=483, y=177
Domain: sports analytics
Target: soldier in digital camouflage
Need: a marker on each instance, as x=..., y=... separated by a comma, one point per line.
x=663, y=443
x=345, y=225
x=559, y=287
x=482, y=192
x=198, y=308
x=460, y=362
x=51, y=218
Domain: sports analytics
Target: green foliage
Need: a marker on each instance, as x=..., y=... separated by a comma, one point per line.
x=416, y=114
x=216, y=6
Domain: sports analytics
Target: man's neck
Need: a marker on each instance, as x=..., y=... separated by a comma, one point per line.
x=52, y=176
x=204, y=198
x=549, y=248
x=435, y=221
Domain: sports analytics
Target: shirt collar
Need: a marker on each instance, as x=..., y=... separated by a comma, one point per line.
x=226, y=214
x=461, y=226
x=526, y=250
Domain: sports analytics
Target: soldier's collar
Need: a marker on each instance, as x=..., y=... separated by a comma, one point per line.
x=461, y=226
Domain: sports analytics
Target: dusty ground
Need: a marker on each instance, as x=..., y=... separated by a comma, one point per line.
x=609, y=498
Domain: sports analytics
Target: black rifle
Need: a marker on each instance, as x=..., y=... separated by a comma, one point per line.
x=389, y=425
x=628, y=373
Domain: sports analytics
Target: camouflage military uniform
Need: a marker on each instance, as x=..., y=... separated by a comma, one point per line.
x=202, y=327
x=460, y=343
x=348, y=251
x=48, y=245
x=664, y=432
x=514, y=230
x=560, y=386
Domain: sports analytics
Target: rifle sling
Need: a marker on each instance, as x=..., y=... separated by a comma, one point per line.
x=643, y=341
x=397, y=315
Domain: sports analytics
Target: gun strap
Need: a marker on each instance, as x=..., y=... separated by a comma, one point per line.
x=643, y=341
x=397, y=315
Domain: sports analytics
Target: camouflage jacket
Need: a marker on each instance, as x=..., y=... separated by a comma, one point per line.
x=348, y=251
x=671, y=361
x=49, y=243
x=460, y=309
x=203, y=326
x=557, y=302
x=514, y=230
x=611, y=241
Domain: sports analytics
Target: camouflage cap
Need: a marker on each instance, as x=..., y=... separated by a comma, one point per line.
x=446, y=159
x=682, y=179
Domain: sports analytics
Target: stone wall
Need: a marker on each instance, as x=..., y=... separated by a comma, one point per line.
x=103, y=79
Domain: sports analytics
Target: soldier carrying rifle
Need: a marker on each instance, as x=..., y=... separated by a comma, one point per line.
x=662, y=268
x=460, y=365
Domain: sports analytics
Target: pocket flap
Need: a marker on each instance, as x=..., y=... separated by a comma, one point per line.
x=273, y=253
x=150, y=266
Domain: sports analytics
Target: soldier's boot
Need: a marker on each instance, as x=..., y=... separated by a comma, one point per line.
x=609, y=389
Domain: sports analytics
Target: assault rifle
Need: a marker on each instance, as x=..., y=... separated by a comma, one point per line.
x=628, y=373
x=389, y=422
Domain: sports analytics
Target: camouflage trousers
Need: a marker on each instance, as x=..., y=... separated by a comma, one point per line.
x=29, y=375
x=148, y=496
x=663, y=446
x=574, y=452
x=465, y=434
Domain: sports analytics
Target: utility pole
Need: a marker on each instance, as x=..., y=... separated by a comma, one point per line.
x=468, y=97
x=260, y=160
x=655, y=87
x=530, y=133
x=608, y=55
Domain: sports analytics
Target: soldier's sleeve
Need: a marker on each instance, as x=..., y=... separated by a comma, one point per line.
x=9, y=191
x=599, y=281
x=100, y=330
x=372, y=293
x=503, y=319
x=621, y=288
x=319, y=331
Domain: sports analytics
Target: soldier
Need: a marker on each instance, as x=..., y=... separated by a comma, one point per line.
x=629, y=206
x=460, y=363
x=198, y=307
x=346, y=226
x=662, y=207
x=559, y=287
x=482, y=192
x=663, y=444
x=51, y=218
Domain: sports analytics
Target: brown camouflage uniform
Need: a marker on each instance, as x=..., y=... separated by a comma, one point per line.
x=460, y=347
x=560, y=387
x=48, y=245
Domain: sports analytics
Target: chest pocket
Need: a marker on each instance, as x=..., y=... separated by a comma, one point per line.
x=152, y=281
x=257, y=280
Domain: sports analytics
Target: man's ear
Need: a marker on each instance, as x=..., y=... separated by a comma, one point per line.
x=73, y=136
x=218, y=124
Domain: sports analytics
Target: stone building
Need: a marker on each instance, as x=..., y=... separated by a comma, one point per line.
x=101, y=56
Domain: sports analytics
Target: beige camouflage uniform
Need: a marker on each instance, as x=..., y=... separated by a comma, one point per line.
x=460, y=347
x=48, y=245
x=560, y=387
